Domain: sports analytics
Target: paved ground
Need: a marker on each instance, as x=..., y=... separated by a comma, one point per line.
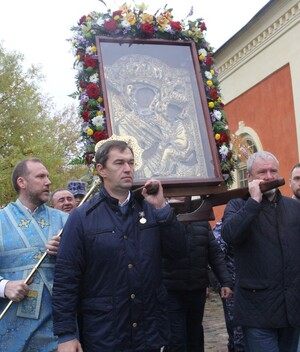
x=215, y=334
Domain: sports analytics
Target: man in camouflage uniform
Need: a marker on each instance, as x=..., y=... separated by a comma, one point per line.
x=235, y=333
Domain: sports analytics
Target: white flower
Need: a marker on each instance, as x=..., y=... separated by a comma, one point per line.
x=88, y=50
x=217, y=114
x=100, y=22
x=223, y=150
x=98, y=120
x=203, y=52
x=79, y=66
x=168, y=28
x=125, y=24
x=94, y=78
x=208, y=75
x=85, y=128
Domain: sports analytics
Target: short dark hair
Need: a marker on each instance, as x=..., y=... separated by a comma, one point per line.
x=101, y=156
x=21, y=170
x=295, y=167
x=103, y=151
x=55, y=191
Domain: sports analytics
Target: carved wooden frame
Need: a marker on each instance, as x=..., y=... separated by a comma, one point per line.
x=165, y=62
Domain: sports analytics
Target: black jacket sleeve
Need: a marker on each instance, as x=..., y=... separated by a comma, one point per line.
x=238, y=216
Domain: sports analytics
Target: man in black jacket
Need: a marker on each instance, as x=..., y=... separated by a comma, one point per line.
x=187, y=280
x=108, y=269
x=265, y=233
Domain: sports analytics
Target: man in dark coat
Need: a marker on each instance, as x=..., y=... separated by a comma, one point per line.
x=108, y=271
x=187, y=280
x=265, y=233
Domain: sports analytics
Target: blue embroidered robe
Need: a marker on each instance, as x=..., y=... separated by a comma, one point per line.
x=27, y=326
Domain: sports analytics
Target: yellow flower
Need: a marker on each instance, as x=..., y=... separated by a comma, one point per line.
x=100, y=100
x=168, y=15
x=130, y=17
x=142, y=7
x=94, y=49
x=162, y=21
x=211, y=104
x=217, y=136
x=100, y=113
x=219, y=100
x=212, y=71
x=116, y=17
x=146, y=18
x=125, y=8
x=90, y=132
x=209, y=82
x=201, y=57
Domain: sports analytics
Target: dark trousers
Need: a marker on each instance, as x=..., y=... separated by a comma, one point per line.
x=271, y=340
x=186, y=309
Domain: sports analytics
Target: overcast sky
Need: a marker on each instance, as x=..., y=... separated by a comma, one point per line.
x=39, y=30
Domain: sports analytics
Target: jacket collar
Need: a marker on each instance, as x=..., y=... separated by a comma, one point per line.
x=113, y=203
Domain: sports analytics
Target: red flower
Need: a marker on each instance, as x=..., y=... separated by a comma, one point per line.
x=90, y=62
x=80, y=52
x=82, y=20
x=93, y=91
x=223, y=138
x=176, y=26
x=148, y=29
x=83, y=84
x=117, y=13
x=99, y=136
x=89, y=157
x=209, y=61
x=203, y=26
x=85, y=115
x=213, y=94
x=110, y=25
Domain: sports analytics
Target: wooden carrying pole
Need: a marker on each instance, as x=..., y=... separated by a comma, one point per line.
x=38, y=264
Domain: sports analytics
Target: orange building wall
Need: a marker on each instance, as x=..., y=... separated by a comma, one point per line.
x=268, y=109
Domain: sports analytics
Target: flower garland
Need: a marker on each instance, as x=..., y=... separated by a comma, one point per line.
x=136, y=23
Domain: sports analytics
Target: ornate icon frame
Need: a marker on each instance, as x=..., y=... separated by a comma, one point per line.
x=144, y=84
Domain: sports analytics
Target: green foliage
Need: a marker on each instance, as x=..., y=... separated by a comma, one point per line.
x=29, y=129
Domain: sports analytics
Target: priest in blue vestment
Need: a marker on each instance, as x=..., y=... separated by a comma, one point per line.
x=28, y=228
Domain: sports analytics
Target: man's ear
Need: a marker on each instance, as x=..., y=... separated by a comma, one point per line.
x=249, y=176
x=101, y=170
x=21, y=182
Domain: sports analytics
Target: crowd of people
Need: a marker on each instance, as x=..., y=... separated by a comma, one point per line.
x=119, y=273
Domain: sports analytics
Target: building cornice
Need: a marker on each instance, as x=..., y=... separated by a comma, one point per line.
x=257, y=44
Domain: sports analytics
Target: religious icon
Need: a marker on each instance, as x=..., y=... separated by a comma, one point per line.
x=151, y=92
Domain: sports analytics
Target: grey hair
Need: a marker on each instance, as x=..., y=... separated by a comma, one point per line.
x=259, y=155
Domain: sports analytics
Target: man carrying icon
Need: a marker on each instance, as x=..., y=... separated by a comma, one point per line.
x=108, y=272
x=264, y=232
